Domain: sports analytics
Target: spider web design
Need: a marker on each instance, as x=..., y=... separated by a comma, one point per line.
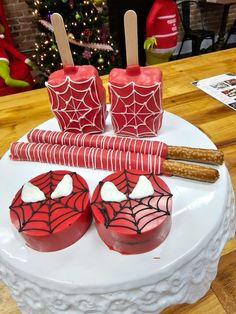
x=135, y=214
x=77, y=105
x=50, y=215
x=135, y=109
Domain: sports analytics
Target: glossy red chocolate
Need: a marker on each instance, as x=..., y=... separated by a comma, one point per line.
x=136, y=100
x=78, y=99
x=53, y=224
x=133, y=226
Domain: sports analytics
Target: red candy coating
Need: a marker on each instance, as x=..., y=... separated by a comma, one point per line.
x=53, y=224
x=89, y=157
x=99, y=141
x=136, y=101
x=78, y=99
x=134, y=225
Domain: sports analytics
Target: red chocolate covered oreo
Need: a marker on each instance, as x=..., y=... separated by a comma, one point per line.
x=132, y=211
x=52, y=211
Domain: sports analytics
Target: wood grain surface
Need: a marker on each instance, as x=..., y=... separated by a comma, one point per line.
x=21, y=112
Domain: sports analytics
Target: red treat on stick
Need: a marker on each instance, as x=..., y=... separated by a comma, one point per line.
x=52, y=211
x=132, y=211
x=76, y=93
x=135, y=92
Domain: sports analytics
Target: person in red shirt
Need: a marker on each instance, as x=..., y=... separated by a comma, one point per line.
x=161, y=31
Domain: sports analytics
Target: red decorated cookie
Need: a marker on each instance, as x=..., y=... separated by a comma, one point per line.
x=52, y=211
x=132, y=211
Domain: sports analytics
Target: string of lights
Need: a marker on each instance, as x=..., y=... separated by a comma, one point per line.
x=86, y=22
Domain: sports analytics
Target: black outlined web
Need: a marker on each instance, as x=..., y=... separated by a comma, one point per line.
x=48, y=215
x=134, y=214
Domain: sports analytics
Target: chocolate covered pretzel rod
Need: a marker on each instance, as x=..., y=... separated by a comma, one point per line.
x=99, y=141
x=113, y=160
x=210, y=156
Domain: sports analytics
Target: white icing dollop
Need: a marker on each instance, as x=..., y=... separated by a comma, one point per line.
x=64, y=187
x=110, y=193
x=142, y=189
x=31, y=193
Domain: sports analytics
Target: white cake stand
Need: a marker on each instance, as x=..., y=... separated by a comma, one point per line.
x=89, y=278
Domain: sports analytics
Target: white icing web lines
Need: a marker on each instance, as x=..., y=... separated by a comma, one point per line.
x=77, y=105
x=136, y=110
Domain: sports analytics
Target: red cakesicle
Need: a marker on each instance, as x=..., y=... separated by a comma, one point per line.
x=53, y=223
x=76, y=93
x=133, y=226
x=77, y=99
x=135, y=92
x=136, y=100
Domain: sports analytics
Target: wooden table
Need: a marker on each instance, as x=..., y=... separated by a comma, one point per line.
x=21, y=112
x=224, y=18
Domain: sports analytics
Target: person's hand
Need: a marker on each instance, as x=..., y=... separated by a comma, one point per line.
x=149, y=42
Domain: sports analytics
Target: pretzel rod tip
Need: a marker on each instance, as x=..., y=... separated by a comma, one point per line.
x=209, y=156
x=190, y=171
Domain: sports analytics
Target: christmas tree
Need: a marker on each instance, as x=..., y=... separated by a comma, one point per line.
x=86, y=22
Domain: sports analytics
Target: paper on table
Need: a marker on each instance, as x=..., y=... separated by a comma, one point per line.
x=222, y=87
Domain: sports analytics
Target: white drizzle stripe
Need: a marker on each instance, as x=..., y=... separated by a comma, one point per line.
x=95, y=158
x=90, y=159
x=85, y=157
x=71, y=153
x=103, y=145
x=120, y=161
x=112, y=160
x=100, y=158
x=70, y=156
x=109, y=160
x=69, y=138
x=99, y=141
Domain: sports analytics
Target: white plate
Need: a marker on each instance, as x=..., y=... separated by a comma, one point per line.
x=88, y=266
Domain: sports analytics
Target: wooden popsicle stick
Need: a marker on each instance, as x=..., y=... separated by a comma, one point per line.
x=62, y=39
x=209, y=156
x=131, y=37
